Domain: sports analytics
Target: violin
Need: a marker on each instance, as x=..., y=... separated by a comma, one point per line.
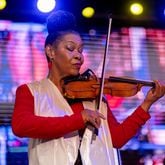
x=86, y=86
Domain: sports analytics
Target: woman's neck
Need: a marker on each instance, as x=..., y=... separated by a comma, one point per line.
x=56, y=79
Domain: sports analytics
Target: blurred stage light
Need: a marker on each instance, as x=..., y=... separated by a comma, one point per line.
x=92, y=32
x=46, y=6
x=164, y=12
x=88, y=12
x=2, y=4
x=136, y=8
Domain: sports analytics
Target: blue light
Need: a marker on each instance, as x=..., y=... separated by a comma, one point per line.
x=46, y=6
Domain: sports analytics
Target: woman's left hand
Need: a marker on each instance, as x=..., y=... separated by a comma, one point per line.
x=153, y=95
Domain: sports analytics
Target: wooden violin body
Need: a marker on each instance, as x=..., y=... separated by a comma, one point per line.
x=88, y=87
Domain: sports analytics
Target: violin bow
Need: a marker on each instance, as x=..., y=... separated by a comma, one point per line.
x=100, y=96
x=104, y=66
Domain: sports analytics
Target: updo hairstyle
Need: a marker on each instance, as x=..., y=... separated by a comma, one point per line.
x=59, y=23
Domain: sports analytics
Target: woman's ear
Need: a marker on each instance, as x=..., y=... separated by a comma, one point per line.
x=49, y=51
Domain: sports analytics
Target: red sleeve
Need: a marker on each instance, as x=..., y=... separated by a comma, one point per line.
x=121, y=133
x=26, y=124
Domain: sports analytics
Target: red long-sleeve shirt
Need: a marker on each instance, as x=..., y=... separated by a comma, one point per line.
x=26, y=124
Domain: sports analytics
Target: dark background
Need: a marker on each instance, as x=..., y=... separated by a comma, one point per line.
x=26, y=11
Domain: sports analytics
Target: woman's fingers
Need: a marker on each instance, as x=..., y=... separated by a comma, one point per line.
x=92, y=117
x=158, y=91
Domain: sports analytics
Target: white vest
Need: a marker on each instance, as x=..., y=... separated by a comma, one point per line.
x=49, y=102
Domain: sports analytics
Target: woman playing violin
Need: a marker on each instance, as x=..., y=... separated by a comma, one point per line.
x=58, y=130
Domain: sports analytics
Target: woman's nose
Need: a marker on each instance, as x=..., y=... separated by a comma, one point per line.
x=78, y=55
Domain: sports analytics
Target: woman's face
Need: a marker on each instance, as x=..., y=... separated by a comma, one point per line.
x=68, y=57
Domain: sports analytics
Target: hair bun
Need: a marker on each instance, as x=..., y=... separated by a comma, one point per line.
x=61, y=21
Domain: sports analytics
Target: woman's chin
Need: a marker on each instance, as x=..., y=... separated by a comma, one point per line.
x=75, y=72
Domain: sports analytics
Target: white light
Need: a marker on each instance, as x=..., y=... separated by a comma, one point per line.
x=46, y=6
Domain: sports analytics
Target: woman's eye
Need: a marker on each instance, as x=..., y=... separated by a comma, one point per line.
x=70, y=49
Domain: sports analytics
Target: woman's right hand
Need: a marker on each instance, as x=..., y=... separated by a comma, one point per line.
x=93, y=117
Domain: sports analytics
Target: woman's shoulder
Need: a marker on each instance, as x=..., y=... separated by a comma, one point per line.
x=30, y=87
x=23, y=91
x=22, y=88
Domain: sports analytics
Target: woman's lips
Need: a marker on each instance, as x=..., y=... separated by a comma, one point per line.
x=77, y=66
